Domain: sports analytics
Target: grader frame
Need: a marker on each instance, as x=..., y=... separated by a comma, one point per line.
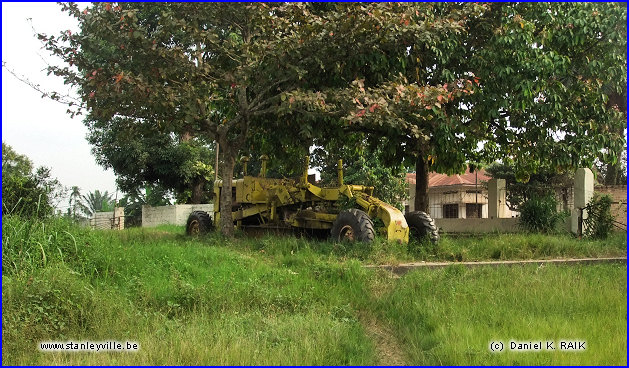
x=295, y=203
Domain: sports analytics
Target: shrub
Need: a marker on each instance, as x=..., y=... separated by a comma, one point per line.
x=27, y=192
x=599, y=221
x=539, y=214
x=24, y=197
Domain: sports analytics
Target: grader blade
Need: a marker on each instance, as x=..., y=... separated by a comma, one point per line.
x=393, y=219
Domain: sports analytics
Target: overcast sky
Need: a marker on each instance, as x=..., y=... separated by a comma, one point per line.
x=40, y=128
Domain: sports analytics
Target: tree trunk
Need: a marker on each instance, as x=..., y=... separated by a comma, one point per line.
x=197, y=190
x=227, y=171
x=611, y=173
x=421, y=180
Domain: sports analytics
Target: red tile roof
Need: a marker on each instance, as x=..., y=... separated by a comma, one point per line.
x=439, y=180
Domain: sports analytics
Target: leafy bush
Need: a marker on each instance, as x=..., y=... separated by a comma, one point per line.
x=27, y=192
x=599, y=221
x=539, y=214
x=22, y=196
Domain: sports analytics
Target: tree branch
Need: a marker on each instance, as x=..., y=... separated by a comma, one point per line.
x=64, y=99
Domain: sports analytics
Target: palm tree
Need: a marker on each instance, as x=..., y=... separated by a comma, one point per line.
x=74, y=202
x=96, y=202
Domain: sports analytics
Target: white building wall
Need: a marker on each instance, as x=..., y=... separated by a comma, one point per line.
x=455, y=194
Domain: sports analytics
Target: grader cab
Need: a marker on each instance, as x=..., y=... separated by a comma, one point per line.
x=272, y=204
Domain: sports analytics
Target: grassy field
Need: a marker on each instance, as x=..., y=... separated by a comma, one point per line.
x=285, y=300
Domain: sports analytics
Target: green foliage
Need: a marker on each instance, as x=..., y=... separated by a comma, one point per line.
x=599, y=222
x=14, y=164
x=609, y=173
x=140, y=153
x=287, y=162
x=362, y=165
x=546, y=77
x=544, y=182
x=446, y=83
x=97, y=202
x=539, y=214
x=527, y=82
x=25, y=192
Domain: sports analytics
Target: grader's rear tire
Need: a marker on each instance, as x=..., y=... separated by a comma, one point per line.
x=421, y=225
x=353, y=225
x=199, y=223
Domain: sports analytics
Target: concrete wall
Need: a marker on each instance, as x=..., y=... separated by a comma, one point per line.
x=108, y=220
x=174, y=214
x=487, y=225
x=497, y=199
x=476, y=225
x=619, y=200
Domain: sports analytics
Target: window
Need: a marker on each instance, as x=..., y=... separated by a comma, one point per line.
x=451, y=210
x=473, y=210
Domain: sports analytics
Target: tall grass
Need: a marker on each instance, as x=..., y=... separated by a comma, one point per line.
x=449, y=316
x=288, y=300
x=523, y=246
x=185, y=303
x=30, y=244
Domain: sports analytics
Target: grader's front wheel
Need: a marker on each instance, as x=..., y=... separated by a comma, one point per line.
x=353, y=225
x=199, y=223
x=421, y=225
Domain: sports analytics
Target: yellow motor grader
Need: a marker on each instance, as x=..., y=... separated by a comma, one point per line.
x=263, y=203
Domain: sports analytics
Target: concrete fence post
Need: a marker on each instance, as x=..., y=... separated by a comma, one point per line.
x=119, y=218
x=496, y=198
x=583, y=192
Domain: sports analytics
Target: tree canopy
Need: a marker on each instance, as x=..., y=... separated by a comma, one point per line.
x=437, y=85
x=533, y=84
x=141, y=154
x=96, y=201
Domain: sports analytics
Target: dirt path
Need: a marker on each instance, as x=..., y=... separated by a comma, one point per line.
x=405, y=267
x=385, y=342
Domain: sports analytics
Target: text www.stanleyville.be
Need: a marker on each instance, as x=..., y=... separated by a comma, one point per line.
x=89, y=346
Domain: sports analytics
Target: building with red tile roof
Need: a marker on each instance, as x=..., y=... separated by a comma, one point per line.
x=439, y=180
x=454, y=196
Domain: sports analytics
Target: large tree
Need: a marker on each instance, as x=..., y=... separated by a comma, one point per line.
x=221, y=71
x=528, y=83
x=204, y=70
x=444, y=83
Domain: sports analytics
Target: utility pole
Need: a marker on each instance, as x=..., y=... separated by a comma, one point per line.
x=113, y=216
x=479, y=213
x=216, y=162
